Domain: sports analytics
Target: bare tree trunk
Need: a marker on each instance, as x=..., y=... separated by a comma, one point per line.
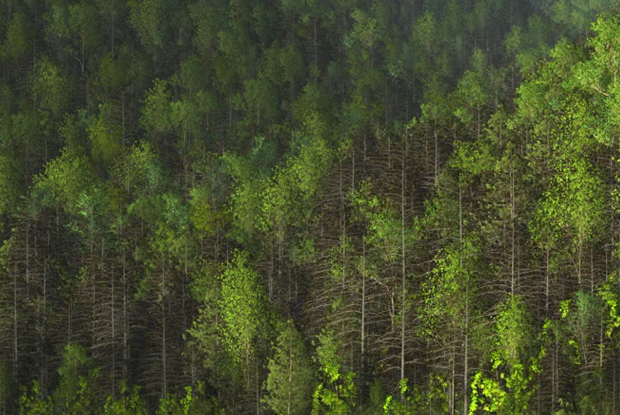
x=512, y=220
x=466, y=329
x=363, y=323
x=43, y=327
x=451, y=403
x=290, y=376
x=125, y=323
x=163, y=334
x=403, y=264
x=113, y=341
x=614, y=387
x=15, y=341
x=316, y=49
x=547, y=285
x=256, y=384
x=436, y=158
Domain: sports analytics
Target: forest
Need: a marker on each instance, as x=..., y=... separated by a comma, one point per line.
x=309, y=207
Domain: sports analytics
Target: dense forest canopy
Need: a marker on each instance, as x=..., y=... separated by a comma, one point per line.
x=309, y=206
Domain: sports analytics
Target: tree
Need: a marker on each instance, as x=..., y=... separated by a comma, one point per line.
x=193, y=403
x=336, y=391
x=78, y=23
x=290, y=381
x=156, y=114
x=515, y=361
x=15, y=46
x=74, y=395
x=49, y=88
x=33, y=403
x=147, y=18
x=242, y=309
x=127, y=403
x=106, y=138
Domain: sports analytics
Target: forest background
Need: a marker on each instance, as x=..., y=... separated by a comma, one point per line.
x=312, y=206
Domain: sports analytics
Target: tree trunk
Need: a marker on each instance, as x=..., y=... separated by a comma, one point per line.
x=15, y=341
x=363, y=323
x=125, y=323
x=403, y=264
x=290, y=377
x=163, y=335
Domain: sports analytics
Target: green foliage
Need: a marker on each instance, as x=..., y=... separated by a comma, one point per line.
x=444, y=292
x=9, y=182
x=204, y=217
x=576, y=15
x=291, y=378
x=512, y=361
x=472, y=87
x=32, y=401
x=156, y=114
x=78, y=24
x=336, y=391
x=147, y=17
x=128, y=403
x=574, y=204
x=194, y=402
x=161, y=162
x=105, y=138
x=246, y=198
x=16, y=46
x=74, y=394
x=67, y=179
x=49, y=87
x=409, y=400
x=243, y=308
x=609, y=295
x=142, y=172
x=286, y=198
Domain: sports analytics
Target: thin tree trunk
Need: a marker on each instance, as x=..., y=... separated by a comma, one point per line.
x=316, y=50
x=163, y=334
x=15, y=341
x=451, y=402
x=125, y=323
x=436, y=158
x=403, y=264
x=363, y=323
x=466, y=330
x=465, y=370
x=256, y=384
x=290, y=376
x=613, y=411
x=547, y=285
x=113, y=340
x=512, y=220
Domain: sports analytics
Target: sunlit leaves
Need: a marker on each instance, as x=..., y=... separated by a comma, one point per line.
x=335, y=394
x=128, y=403
x=444, y=291
x=32, y=401
x=242, y=307
x=574, y=205
x=515, y=361
x=67, y=179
